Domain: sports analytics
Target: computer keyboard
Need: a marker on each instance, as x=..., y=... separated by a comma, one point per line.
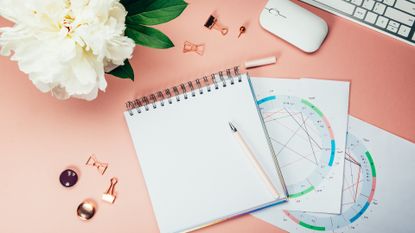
x=395, y=18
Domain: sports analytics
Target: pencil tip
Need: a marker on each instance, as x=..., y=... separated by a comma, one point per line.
x=233, y=128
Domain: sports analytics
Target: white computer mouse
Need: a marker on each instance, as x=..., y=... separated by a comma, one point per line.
x=294, y=24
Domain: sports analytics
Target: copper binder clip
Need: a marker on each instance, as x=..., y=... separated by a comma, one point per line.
x=110, y=195
x=197, y=48
x=212, y=22
x=92, y=161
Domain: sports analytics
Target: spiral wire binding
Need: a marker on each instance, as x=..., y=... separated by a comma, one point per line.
x=186, y=89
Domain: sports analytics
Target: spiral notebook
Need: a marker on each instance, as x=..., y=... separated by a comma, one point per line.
x=195, y=171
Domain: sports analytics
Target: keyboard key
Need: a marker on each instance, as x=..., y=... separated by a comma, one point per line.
x=371, y=17
x=368, y=4
x=406, y=6
x=393, y=23
x=392, y=26
x=357, y=2
x=379, y=8
x=360, y=13
x=413, y=37
x=404, y=31
x=399, y=16
x=339, y=5
x=382, y=22
x=392, y=29
x=389, y=2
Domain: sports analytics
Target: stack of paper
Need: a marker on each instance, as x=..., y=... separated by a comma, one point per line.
x=343, y=175
x=307, y=122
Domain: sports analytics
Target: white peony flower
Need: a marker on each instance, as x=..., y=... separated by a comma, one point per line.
x=65, y=45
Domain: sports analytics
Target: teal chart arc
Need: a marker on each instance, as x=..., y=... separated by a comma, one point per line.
x=300, y=124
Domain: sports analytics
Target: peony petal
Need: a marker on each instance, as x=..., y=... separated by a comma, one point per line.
x=60, y=93
x=119, y=49
x=89, y=96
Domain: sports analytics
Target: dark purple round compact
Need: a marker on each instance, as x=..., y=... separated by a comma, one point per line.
x=68, y=178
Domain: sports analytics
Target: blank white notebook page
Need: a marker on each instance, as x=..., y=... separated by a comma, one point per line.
x=195, y=170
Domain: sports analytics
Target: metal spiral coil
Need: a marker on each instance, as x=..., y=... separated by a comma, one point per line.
x=185, y=90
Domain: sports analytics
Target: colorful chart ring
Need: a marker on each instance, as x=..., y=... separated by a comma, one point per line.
x=303, y=141
x=358, y=192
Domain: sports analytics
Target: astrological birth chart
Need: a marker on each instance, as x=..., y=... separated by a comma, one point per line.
x=358, y=192
x=298, y=123
x=377, y=190
x=309, y=151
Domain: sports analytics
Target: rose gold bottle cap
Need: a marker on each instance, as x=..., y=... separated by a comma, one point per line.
x=86, y=210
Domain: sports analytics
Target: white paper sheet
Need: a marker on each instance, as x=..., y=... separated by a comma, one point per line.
x=307, y=122
x=378, y=188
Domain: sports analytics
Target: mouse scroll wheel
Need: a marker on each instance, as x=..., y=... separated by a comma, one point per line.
x=275, y=12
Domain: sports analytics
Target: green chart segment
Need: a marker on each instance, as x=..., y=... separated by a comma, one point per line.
x=304, y=115
x=309, y=189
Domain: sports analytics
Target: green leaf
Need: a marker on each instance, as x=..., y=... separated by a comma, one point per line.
x=139, y=6
x=158, y=12
x=127, y=2
x=147, y=36
x=125, y=71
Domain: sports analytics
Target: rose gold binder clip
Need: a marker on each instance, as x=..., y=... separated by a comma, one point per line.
x=92, y=161
x=212, y=22
x=110, y=195
x=197, y=48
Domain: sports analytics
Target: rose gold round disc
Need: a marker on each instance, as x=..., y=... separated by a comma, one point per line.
x=86, y=210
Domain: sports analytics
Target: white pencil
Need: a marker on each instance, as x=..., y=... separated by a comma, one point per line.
x=254, y=161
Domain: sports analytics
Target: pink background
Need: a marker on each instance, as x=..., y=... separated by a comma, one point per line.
x=40, y=136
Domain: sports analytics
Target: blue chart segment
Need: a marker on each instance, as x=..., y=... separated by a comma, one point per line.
x=302, y=139
x=358, y=192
